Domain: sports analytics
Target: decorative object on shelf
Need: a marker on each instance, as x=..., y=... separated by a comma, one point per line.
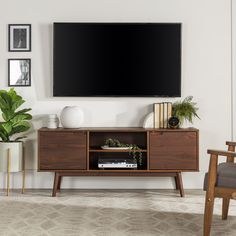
x=173, y=122
x=19, y=37
x=149, y=121
x=72, y=117
x=15, y=122
x=134, y=149
x=185, y=110
x=53, y=121
x=106, y=147
x=19, y=72
x=162, y=113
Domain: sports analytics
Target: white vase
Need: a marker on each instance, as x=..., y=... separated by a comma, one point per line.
x=72, y=117
x=53, y=121
x=16, y=153
x=149, y=121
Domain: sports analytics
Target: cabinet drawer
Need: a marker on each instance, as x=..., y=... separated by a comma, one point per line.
x=62, y=150
x=173, y=150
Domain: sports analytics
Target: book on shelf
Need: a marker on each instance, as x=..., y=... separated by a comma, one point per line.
x=161, y=116
x=156, y=115
x=162, y=113
x=169, y=112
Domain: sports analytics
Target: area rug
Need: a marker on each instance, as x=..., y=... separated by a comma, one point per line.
x=109, y=213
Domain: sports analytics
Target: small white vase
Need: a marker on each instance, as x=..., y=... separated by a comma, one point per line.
x=16, y=150
x=53, y=121
x=72, y=117
x=149, y=121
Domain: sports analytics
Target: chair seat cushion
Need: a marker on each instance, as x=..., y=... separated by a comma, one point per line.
x=226, y=176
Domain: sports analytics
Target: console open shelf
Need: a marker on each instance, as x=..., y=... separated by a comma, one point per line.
x=127, y=151
x=75, y=152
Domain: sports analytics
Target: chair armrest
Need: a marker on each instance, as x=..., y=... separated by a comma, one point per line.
x=234, y=195
x=221, y=153
x=230, y=143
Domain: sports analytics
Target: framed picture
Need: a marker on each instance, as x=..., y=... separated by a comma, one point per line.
x=19, y=37
x=19, y=72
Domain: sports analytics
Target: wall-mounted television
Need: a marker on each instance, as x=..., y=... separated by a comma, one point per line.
x=117, y=59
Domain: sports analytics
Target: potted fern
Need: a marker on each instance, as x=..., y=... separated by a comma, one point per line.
x=185, y=110
x=14, y=122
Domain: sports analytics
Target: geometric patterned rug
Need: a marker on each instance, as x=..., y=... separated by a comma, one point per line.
x=110, y=213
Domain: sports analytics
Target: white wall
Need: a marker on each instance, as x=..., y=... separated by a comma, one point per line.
x=233, y=44
x=206, y=74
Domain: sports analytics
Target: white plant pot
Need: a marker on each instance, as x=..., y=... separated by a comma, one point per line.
x=15, y=158
x=72, y=117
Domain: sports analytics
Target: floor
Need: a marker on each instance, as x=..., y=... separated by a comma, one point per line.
x=109, y=213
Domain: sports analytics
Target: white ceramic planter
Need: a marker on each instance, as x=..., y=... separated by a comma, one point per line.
x=149, y=121
x=72, y=117
x=16, y=156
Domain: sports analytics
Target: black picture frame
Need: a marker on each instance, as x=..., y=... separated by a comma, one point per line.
x=19, y=72
x=19, y=37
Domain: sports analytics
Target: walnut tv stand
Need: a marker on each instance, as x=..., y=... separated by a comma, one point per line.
x=75, y=152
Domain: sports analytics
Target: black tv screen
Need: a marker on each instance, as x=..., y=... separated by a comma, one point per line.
x=117, y=59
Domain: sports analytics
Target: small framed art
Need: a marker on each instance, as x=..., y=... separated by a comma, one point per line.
x=19, y=37
x=19, y=72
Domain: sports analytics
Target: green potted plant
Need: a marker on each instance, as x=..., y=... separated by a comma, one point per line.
x=185, y=110
x=14, y=122
x=134, y=149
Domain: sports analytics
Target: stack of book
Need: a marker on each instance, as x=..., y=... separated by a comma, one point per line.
x=162, y=113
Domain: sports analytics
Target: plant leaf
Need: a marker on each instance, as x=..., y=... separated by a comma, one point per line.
x=19, y=129
x=7, y=99
x=3, y=134
x=19, y=138
x=20, y=117
x=7, y=127
x=17, y=104
x=3, y=137
x=7, y=114
x=23, y=111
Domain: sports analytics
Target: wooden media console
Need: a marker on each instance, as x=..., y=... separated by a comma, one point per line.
x=75, y=152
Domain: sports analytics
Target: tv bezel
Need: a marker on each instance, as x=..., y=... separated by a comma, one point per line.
x=121, y=23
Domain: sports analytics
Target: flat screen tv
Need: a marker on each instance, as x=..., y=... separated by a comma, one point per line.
x=117, y=59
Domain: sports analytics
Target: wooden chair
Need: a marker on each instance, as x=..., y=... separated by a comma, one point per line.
x=220, y=181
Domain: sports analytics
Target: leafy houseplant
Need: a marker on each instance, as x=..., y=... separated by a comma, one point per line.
x=134, y=149
x=185, y=110
x=15, y=122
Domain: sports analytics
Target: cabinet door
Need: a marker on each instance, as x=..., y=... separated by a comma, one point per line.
x=173, y=150
x=62, y=150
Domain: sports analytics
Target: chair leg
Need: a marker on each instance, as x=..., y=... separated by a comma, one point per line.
x=209, y=205
x=225, y=208
x=210, y=195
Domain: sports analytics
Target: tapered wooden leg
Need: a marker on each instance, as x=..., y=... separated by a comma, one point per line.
x=209, y=205
x=180, y=184
x=23, y=173
x=8, y=169
x=55, y=185
x=225, y=208
x=210, y=195
x=176, y=183
x=59, y=183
